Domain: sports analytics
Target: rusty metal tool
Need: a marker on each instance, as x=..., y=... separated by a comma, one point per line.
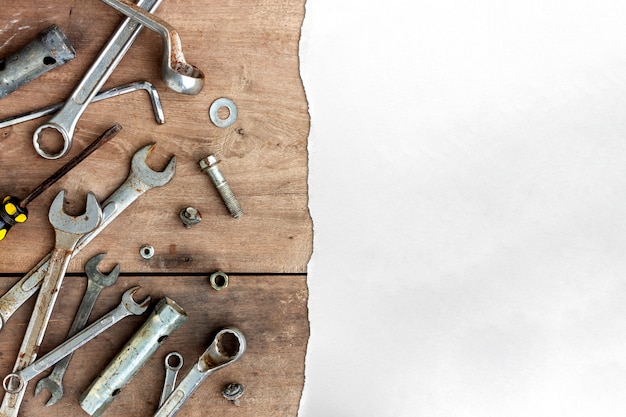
x=68, y=231
x=96, y=282
x=49, y=50
x=16, y=381
x=140, y=179
x=113, y=92
x=64, y=122
x=216, y=357
x=176, y=72
x=14, y=211
x=166, y=317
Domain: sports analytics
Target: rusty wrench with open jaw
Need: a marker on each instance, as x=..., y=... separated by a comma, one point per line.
x=140, y=179
x=96, y=282
x=66, y=119
x=16, y=381
x=68, y=231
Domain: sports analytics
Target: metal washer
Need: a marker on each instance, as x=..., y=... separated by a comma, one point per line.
x=218, y=104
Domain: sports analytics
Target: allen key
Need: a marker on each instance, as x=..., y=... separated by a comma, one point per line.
x=113, y=92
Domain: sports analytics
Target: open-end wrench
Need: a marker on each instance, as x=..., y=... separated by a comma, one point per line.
x=113, y=92
x=216, y=357
x=173, y=363
x=68, y=231
x=66, y=119
x=177, y=74
x=96, y=282
x=16, y=381
x=141, y=179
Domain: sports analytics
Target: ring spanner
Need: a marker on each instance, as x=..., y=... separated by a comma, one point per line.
x=66, y=119
x=177, y=74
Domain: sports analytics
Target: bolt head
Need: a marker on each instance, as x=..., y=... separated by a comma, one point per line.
x=207, y=162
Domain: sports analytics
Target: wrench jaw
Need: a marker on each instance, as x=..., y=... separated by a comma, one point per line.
x=55, y=389
x=105, y=280
x=75, y=224
x=131, y=305
x=148, y=176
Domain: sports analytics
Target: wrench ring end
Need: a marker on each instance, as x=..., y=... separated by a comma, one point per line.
x=7, y=383
x=67, y=140
x=174, y=364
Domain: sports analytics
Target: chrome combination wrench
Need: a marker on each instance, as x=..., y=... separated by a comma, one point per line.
x=68, y=231
x=140, y=179
x=16, y=381
x=66, y=119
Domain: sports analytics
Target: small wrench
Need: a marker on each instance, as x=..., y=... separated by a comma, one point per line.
x=66, y=119
x=68, y=231
x=173, y=363
x=177, y=74
x=216, y=357
x=16, y=381
x=140, y=179
x=113, y=92
x=96, y=282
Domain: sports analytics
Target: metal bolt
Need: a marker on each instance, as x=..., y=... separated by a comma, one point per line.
x=232, y=392
x=190, y=216
x=209, y=165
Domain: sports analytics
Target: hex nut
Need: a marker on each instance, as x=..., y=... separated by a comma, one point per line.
x=218, y=280
x=146, y=251
x=233, y=392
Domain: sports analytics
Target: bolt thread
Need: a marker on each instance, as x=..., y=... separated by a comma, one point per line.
x=229, y=199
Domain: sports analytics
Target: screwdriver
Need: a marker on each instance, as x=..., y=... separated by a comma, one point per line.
x=13, y=210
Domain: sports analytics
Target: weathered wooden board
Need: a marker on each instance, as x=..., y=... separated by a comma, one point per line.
x=249, y=53
x=271, y=312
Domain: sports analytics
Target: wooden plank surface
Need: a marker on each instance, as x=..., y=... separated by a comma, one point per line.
x=270, y=311
x=249, y=53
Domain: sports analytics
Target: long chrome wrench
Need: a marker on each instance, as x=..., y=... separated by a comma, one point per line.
x=140, y=179
x=66, y=119
x=16, y=381
x=113, y=92
x=68, y=230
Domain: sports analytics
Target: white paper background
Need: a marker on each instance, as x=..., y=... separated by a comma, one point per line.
x=467, y=178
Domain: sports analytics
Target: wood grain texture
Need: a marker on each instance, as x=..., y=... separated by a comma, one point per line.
x=270, y=311
x=249, y=53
